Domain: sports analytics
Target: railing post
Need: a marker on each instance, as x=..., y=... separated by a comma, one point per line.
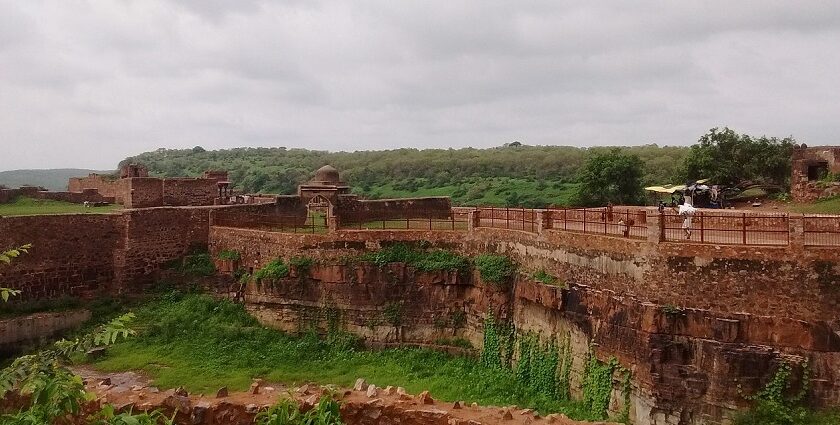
x=473, y=219
x=796, y=232
x=744, y=228
x=584, y=220
x=702, y=238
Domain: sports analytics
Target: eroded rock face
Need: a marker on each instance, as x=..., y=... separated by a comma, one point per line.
x=685, y=362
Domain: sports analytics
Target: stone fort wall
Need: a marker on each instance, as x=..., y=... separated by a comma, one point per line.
x=739, y=309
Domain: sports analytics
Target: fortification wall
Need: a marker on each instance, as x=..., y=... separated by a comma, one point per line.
x=688, y=320
x=351, y=209
x=71, y=255
x=141, y=192
x=105, y=186
x=188, y=191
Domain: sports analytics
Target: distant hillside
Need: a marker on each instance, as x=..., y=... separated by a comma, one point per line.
x=53, y=179
x=507, y=175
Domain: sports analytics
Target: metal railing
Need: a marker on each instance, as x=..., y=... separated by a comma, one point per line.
x=419, y=220
x=604, y=221
x=821, y=230
x=508, y=218
x=727, y=229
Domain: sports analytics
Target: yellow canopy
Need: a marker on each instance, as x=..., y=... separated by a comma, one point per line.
x=665, y=189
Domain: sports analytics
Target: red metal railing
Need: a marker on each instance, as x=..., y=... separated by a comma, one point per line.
x=508, y=218
x=419, y=220
x=821, y=230
x=312, y=223
x=731, y=229
x=605, y=221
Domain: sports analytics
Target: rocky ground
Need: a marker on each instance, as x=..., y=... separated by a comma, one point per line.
x=363, y=404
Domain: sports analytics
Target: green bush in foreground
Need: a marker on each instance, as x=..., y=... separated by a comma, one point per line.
x=228, y=254
x=203, y=344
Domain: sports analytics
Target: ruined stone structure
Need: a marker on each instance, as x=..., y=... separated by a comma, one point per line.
x=811, y=172
x=135, y=189
x=699, y=325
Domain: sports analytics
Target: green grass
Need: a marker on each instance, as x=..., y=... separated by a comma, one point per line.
x=30, y=206
x=497, y=191
x=204, y=344
x=823, y=206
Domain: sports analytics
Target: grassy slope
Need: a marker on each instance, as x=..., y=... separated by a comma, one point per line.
x=29, y=206
x=486, y=191
x=825, y=206
x=204, y=344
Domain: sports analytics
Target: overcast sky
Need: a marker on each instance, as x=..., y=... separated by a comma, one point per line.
x=87, y=83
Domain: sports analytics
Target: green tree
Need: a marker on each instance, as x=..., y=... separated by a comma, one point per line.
x=6, y=258
x=730, y=158
x=611, y=176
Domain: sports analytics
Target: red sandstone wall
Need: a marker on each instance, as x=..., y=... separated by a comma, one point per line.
x=187, y=191
x=70, y=255
x=353, y=210
x=141, y=192
x=154, y=236
x=105, y=187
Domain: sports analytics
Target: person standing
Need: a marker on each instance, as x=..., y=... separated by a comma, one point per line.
x=687, y=211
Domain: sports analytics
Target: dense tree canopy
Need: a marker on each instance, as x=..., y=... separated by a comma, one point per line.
x=613, y=176
x=730, y=158
x=513, y=175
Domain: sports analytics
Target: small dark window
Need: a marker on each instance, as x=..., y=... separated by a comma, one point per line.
x=817, y=171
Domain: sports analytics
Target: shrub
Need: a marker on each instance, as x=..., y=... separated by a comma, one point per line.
x=229, y=254
x=302, y=264
x=198, y=265
x=542, y=276
x=426, y=261
x=275, y=269
x=495, y=269
x=393, y=314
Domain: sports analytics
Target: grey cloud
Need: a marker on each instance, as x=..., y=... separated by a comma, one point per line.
x=86, y=84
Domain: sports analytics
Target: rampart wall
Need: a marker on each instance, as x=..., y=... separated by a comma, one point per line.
x=689, y=320
x=187, y=191
x=350, y=209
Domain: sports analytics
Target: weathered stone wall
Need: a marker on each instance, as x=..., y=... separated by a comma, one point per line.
x=805, y=189
x=187, y=191
x=106, y=186
x=689, y=320
x=141, y=192
x=18, y=333
x=71, y=254
x=352, y=210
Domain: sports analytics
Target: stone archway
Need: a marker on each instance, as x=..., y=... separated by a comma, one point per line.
x=319, y=209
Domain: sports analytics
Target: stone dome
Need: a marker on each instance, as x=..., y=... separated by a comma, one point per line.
x=327, y=174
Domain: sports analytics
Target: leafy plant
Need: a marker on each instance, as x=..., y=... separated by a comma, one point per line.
x=426, y=261
x=495, y=269
x=302, y=264
x=198, y=265
x=53, y=389
x=287, y=412
x=228, y=255
x=275, y=269
x=6, y=257
x=775, y=404
x=597, y=385
x=108, y=416
x=393, y=314
x=672, y=310
x=542, y=276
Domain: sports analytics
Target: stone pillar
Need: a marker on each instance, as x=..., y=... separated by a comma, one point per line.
x=473, y=220
x=332, y=223
x=655, y=226
x=546, y=220
x=797, y=233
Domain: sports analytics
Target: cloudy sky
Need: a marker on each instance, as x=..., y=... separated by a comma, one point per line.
x=87, y=83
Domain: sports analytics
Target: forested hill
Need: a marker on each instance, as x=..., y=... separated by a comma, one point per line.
x=508, y=175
